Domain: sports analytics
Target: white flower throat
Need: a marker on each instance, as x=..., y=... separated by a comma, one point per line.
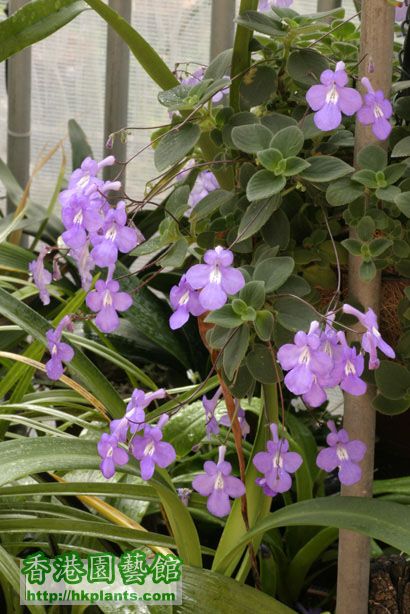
x=78, y=218
x=350, y=368
x=149, y=449
x=377, y=112
x=111, y=233
x=184, y=298
x=332, y=97
x=219, y=481
x=342, y=454
x=304, y=358
x=215, y=276
x=107, y=300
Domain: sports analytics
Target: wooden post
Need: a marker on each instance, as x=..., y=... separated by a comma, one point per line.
x=19, y=111
x=116, y=88
x=377, y=31
x=328, y=5
x=222, y=26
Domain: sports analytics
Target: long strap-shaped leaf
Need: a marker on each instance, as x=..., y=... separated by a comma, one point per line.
x=26, y=456
x=389, y=522
x=34, y=324
x=35, y=21
x=241, y=53
x=149, y=59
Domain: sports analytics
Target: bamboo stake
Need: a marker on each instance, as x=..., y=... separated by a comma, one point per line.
x=377, y=32
x=222, y=26
x=19, y=111
x=116, y=88
x=328, y=5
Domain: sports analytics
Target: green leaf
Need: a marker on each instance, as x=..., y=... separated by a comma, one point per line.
x=251, y=137
x=306, y=65
x=402, y=148
x=225, y=317
x=294, y=315
x=390, y=407
x=367, y=271
x=367, y=178
x=394, y=172
x=235, y=351
x=377, y=247
x=326, y=168
x=256, y=216
x=289, y=141
x=150, y=317
x=343, y=192
x=264, y=324
x=294, y=166
x=80, y=148
x=366, y=228
x=175, y=257
x=260, y=363
x=211, y=203
x=151, y=62
x=274, y=272
x=372, y=157
x=388, y=194
x=403, y=203
x=11, y=572
x=276, y=231
x=241, y=56
x=353, y=246
x=175, y=145
x=204, y=591
x=253, y=293
x=306, y=557
x=257, y=86
x=264, y=184
x=393, y=380
x=220, y=66
x=261, y=22
x=83, y=368
x=36, y=21
x=272, y=160
x=382, y=520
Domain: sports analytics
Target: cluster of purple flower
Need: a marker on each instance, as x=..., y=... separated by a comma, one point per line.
x=205, y=287
x=277, y=464
x=148, y=448
x=95, y=233
x=332, y=97
x=323, y=359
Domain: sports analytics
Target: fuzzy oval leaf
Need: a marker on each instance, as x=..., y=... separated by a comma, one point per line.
x=326, y=168
x=274, y=272
x=175, y=145
x=251, y=137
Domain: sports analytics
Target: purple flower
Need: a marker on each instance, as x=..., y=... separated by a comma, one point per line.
x=332, y=98
x=184, y=301
x=41, y=277
x=60, y=351
x=209, y=407
x=353, y=367
x=80, y=215
x=265, y=5
x=342, y=453
x=107, y=300
x=263, y=484
x=184, y=494
x=82, y=177
x=376, y=111
x=245, y=428
x=111, y=454
x=401, y=11
x=216, y=279
x=205, y=183
x=85, y=264
x=115, y=236
x=218, y=485
x=305, y=360
x=151, y=451
x=277, y=463
x=134, y=418
x=372, y=339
